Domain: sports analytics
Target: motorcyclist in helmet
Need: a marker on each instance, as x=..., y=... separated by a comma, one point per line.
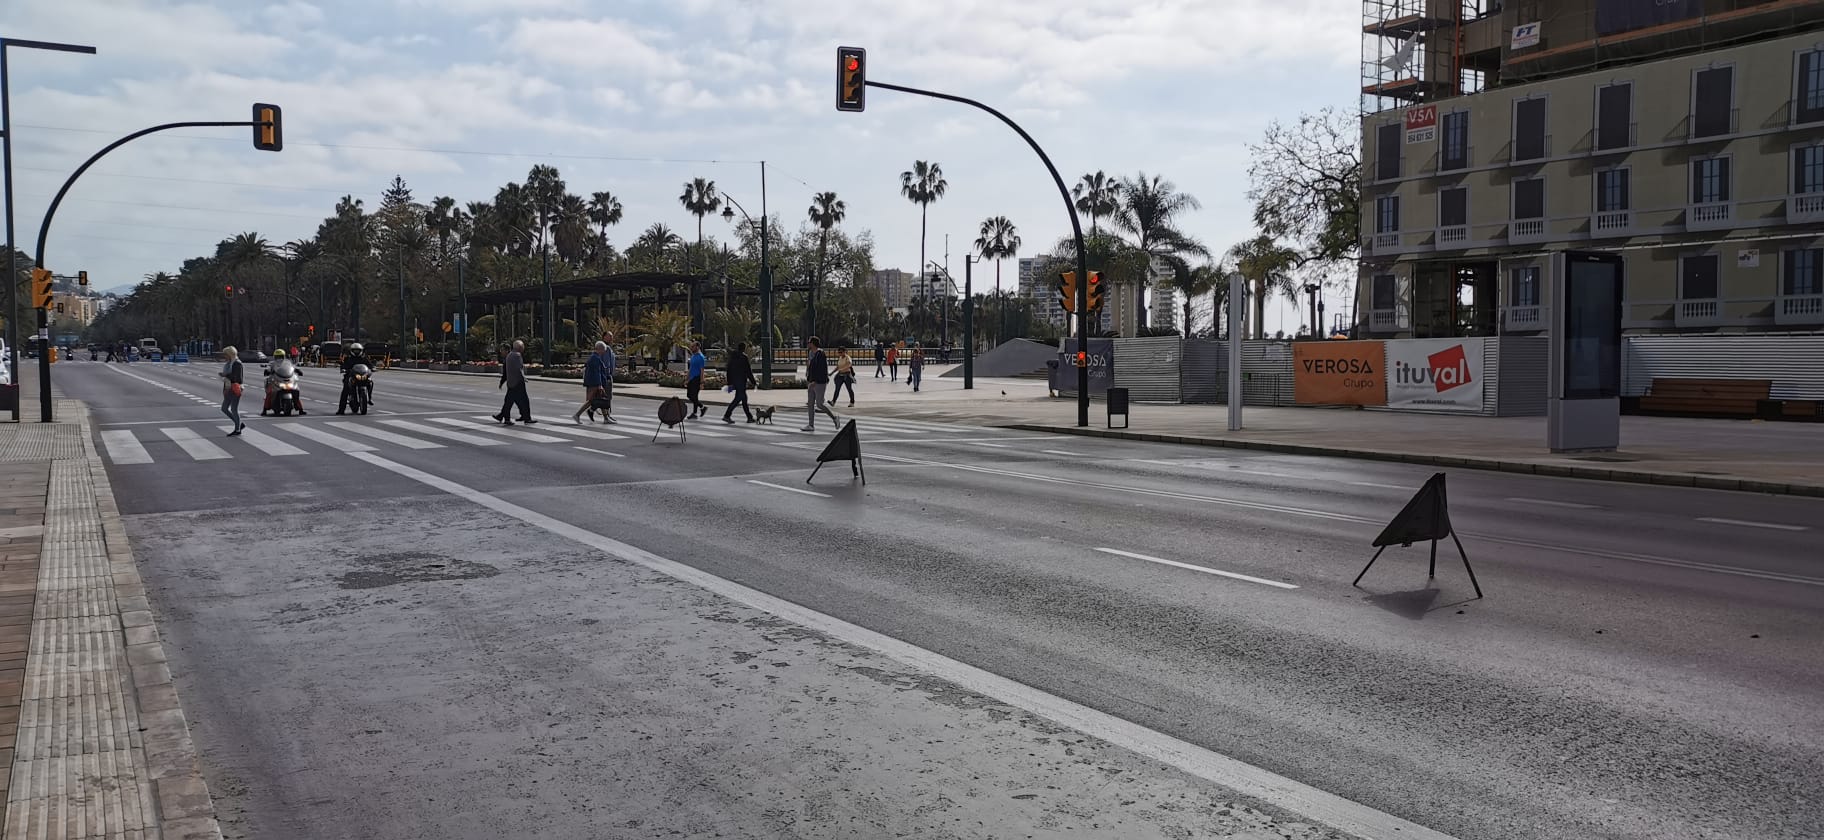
x=353, y=355
x=282, y=368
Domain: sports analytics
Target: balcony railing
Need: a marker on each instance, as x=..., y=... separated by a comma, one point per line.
x=1799, y=309
x=1714, y=127
x=1603, y=143
x=1453, y=236
x=1522, y=318
x=1526, y=230
x=1805, y=208
x=1612, y=223
x=1387, y=241
x=1383, y=320
x=1545, y=150
x=1718, y=214
x=1698, y=313
x=1446, y=163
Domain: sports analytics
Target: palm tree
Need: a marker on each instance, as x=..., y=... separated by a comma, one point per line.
x=1149, y=212
x=604, y=210
x=570, y=228
x=1191, y=282
x=1267, y=267
x=921, y=185
x=732, y=324
x=654, y=246
x=661, y=331
x=999, y=240
x=442, y=219
x=514, y=209
x=826, y=212
x=1097, y=196
x=547, y=193
x=701, y=199
x=297, y=254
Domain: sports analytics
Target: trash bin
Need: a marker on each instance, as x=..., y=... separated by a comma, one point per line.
x=9, y=397
x=1117, y=404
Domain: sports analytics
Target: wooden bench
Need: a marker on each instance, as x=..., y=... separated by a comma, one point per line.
x=1706, y=397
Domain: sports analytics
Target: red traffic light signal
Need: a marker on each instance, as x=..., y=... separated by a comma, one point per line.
x=228, y=291
x=1095, y=290
x=851, y=79
x=1082, y=359
x=312, y=329
x=268, y=135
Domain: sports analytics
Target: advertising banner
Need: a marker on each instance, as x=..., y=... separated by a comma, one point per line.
x=1525, y=35
x=1435, y=374
x=1101, y=366
x=1339, y=372
x=1421, y=124
x=1613, y=16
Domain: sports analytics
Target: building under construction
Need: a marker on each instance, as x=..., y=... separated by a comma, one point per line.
x=1687, y=135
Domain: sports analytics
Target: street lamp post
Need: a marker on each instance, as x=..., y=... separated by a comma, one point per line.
x=969, y=261
x=766, y=279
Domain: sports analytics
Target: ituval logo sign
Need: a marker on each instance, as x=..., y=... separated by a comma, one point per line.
x=1444, y=370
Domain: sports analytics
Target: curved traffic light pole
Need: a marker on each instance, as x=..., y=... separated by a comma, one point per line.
x=1076, y=230
x=44, y=232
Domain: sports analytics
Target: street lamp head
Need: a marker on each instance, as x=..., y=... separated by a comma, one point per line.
x=728, y=213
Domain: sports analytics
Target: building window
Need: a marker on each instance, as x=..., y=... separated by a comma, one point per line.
x=1697, y=277
x=1709, y=180
x=1808, y=104
x=1529, y=129
x=1808, y=170
x=1453, y=207
x=1387, y=140
x=1525, y=285
x=1804, y=272
x=1382, y=293
x=1713, y=102
x=1456, y=141
x=1529, y=198
x=1387, y=214
x=1611, y=190
x=1615, y=116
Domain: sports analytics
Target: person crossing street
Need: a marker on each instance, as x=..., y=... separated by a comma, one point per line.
x=513, y=378
x=816, y=379
x=693, y=387
x=740, y=373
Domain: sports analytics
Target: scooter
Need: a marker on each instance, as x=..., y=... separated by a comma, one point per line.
x=282, y=389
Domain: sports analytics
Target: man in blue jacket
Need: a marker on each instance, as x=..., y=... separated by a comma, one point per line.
x=595, y=379
x=693, y=387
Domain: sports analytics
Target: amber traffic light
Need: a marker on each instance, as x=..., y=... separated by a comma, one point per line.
x=82, y=278
x=268, y=134
x=41, y=288
x=851, y=78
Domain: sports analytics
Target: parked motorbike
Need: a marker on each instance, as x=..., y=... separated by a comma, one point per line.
x=361, y=388
x=282, y=389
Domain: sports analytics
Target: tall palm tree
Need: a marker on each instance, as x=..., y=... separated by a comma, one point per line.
x=654, y=246
x=442, y=220
x=998, y=240
x=1192, y=282
x=570, y=228
x=1098, y=196
x=921, y=185
x=1150, y=209
x=1267, y=267
x=514, y=209
x=604, y=210
x=547, y=193
x=826, y=212
x=297, y=254
x=701, y=199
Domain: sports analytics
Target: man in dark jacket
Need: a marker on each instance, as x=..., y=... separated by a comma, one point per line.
x=595, y=381
x=513, y=377
x=740, y=378
x=816, y=380
x=355, y=355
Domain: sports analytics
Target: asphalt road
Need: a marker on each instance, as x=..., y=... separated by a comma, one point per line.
x=1646, y=663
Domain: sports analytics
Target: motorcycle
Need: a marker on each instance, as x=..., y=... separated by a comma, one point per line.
x=361, y=388
x=282, y=389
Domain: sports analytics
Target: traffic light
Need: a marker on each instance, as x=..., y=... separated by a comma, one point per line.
x=82, y=278
x=418, y=334
x=41, y=288
x=1095, y=290
x=60, y=308
x=1067, y=291
x=312, y=329
x=268, y=135
x=228, y=292
x=1082, y=359
x=851, y=79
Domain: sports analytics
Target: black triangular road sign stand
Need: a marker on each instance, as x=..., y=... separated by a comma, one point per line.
x=1425, y=517
x=845, y=446
x=671, y=413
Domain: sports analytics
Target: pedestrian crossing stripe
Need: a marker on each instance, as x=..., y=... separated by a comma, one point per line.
x=555, y=428
x=194, y=444
x=124, y=448
x=445, y=434
x=341, y=444
x=514, y=433
x=266, y=443
x=382, y=434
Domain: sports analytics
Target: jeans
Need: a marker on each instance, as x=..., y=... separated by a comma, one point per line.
x=693, y=390
x=740, y=400
x=844, y=382
x=915, y=375
x=813, y=402
x=880, y=368
x=231, y=406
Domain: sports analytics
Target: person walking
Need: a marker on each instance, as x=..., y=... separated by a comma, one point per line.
x=893, y=360
x=231, y=389
x=880, y=359
x=915, y=370
x=693, y=386
x=513, y=377
x=816, y=379
x=595, y=372
x=740, y=373
x=845, y=376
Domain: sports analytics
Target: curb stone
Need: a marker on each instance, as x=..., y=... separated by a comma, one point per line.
x=1707, y=482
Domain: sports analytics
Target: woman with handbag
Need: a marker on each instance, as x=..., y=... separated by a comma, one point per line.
x=845, y=376
x=231, y=389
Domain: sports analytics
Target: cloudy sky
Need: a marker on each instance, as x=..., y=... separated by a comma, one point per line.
x=638, y=96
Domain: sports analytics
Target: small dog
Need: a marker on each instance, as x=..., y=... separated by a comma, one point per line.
x=764, y=415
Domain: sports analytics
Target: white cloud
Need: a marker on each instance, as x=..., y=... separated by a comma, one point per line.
x=293, y=15
x=594, y=45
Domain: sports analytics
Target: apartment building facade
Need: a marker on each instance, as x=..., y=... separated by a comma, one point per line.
x=894, y=286
x=1704, y=169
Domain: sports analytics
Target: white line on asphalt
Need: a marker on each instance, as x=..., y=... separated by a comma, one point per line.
x=320, y=436
x=1276, y=790
x=266, y=443
x=1060, y=452
x=198, y=448
x=218, y=419
x=600, y=452
x=1550, y=503
x=1383, y=486
x=559, y=428
x=503, y=431
x=446, y=434
x=124, y=448
x=1748, y=524
x=1152, y=461
x=984, y=443
x=1195, y=568
x=382, y=434
x=789, y=489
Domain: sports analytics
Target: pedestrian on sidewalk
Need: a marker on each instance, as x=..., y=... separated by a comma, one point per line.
x=693, y=386
x=845, y=376
x=880, y=359
x=816, y=379
x=740, y=374
x=513, y=377
x=595, y=372
x=915, y=370
x=231, y=389
x=893, y=360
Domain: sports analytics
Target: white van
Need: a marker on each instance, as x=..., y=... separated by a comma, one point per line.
x=148, y=345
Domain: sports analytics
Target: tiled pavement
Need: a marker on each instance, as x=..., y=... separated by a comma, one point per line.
x=23, y=487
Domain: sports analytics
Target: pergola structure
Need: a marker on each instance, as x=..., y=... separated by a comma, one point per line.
x=594, y=294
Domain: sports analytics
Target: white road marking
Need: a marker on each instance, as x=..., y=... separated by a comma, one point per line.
x=1337, y=812
x=789, y=489
x=1550, y=503
x=697, y=429
x=1195, y=568
x=1060, y=452
x=124, y=448
x=1152, y=461
x=389, y=437
x=267, y=443
x=600, y=451
x=1383, y=486
x=991, y=445
x=503, y=431
x=198, y=448
x=446, y=434
x=1749, y=524
x=320, y=436
x=581, y=431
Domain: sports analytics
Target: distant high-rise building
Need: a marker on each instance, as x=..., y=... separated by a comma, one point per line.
x=1165, y=309
x=895, y=287
x=1039, y=283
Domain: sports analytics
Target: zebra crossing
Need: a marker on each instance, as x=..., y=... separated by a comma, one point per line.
x=308, y=436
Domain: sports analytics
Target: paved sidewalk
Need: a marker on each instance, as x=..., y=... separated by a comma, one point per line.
x=89, y=721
